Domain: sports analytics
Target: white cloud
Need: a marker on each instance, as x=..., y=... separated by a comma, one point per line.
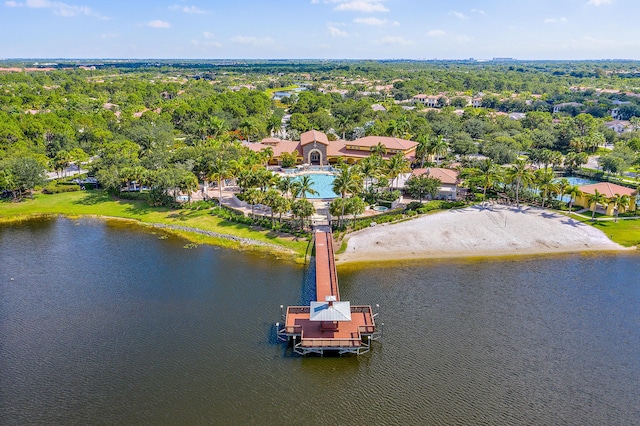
x=57, y=8
x=370, y=21
x=461, y=38
x=555, y=20
x=336, y=32
x=158, y=24
x=208, y=34
x=256, y=41
x=395, y=40
x=188, y=9
x=436, y=33
x=459, y=15
x=478, y=11
x=107, y=36
x=599, y=2
x=366, y=6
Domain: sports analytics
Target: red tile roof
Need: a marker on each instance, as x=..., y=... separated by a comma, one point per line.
x=446, y=176
x=608, y=189
x=388, y=141
x=313, y=136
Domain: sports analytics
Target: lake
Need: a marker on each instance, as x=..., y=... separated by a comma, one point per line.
x=102, y=322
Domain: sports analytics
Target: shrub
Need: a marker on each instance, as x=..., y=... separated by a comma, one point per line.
x=60, y=188
x=414, y=205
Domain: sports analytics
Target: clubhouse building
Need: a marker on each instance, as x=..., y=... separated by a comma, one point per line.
x=314, y=148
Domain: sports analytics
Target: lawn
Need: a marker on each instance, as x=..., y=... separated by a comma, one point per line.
x=623, y=232
x=100, y=203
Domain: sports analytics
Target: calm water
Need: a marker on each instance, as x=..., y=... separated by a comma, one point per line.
x=103, y=323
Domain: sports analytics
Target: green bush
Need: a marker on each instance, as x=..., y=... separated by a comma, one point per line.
x=133, y=196
x=414, y=205
x=60, y=188
x=200, y=205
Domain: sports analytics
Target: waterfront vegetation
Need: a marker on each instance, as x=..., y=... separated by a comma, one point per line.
x=102, y=204
x=174, y=129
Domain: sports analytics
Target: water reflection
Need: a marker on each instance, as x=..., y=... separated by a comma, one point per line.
x=104, y=321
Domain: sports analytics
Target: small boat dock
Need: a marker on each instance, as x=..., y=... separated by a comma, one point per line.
x=328, y=324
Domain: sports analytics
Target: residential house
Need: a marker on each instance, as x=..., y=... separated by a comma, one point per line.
x=609, y=190
x=449, y=181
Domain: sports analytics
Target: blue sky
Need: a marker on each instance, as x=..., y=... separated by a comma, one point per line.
x=356, y=29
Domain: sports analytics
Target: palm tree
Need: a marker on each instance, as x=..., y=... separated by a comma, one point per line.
x=489, y=173
x=280, y=205
x=248, y=128
x=219, y=170
x=370, y=168
x=285, y=185
x=303, y=209
x=355, y=206
x=620, y=201
x=519, y=174
x=188, y=183
x=253, y=196
x=397, y=165
x=594, y=199
x=347, y=181
x=379, y=149
x=439, y=148
x=573, y=192
x=422, y=149
x=305, y=186
x=266, y=155
x=392, y=128
x=545, y=179
x=563, y=185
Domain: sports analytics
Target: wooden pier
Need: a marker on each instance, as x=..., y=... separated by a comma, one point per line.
x=328, y=324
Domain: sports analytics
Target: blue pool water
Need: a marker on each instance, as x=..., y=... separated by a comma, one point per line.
x=323, y=184
x=574, y=180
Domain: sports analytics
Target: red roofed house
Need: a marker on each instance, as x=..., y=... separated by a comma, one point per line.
x=609, y=190
x=315, y=148
x=449, y=178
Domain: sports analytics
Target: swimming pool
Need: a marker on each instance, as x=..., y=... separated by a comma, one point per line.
x=322, y=183
x=574, y=180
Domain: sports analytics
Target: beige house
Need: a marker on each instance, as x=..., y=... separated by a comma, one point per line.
x=449, y=181
x=609, y=190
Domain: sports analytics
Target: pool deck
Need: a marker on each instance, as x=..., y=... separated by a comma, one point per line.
x=311, y=336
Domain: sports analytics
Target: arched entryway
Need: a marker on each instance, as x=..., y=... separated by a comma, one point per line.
x=315, y=157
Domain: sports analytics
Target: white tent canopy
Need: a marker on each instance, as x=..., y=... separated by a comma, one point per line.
x=330, y=311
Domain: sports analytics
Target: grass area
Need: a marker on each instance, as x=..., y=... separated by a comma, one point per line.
x=623, y=232
x=99, y=203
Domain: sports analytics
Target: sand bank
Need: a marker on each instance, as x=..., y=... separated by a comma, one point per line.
x=476, y=231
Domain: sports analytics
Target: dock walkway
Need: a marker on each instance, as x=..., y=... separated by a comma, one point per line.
x=328, y=324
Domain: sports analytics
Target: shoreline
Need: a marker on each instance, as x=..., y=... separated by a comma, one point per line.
x=472, y=256
x=473, y=232
x=217, y=239
x=476, y=233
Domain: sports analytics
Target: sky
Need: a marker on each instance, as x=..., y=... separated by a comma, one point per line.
x=320, y=29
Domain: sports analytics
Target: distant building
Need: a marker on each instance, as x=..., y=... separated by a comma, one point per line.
x=562, y=106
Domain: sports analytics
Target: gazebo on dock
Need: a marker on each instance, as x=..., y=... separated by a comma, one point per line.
x=328, y=324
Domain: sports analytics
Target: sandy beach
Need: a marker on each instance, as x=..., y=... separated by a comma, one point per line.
x=476, y=231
